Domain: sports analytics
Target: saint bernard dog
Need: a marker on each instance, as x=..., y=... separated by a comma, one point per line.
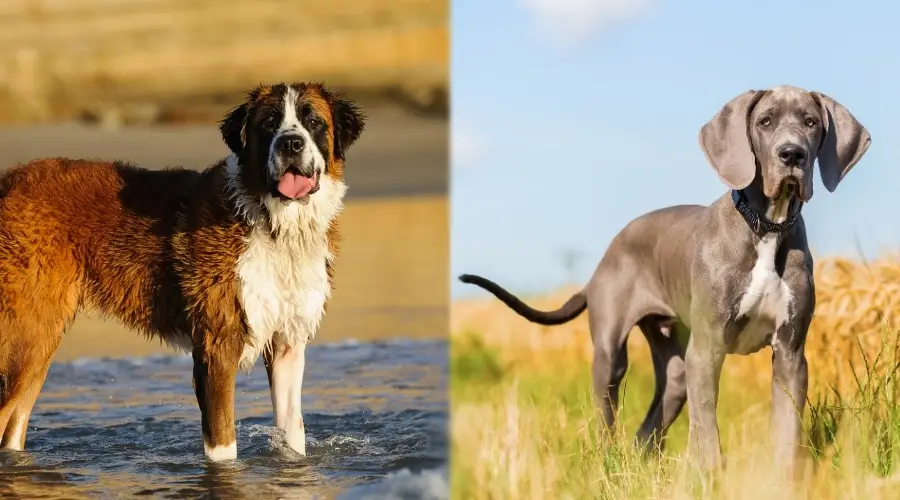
x=229, y=263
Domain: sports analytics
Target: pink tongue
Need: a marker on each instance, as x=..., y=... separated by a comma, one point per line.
x=295, y=186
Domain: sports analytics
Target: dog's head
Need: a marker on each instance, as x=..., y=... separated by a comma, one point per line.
x=289, y=139
x=775, y=135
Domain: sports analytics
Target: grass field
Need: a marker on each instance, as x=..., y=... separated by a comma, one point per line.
x=524, y=424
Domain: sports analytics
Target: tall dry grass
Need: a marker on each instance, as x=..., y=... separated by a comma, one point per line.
x=524, y=425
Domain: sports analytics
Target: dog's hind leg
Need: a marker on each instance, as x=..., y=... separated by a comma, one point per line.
x=610, y=363
x=670, y=392
x=618, y=297
x=41, y=285
x=27, y=359
x=22, y=402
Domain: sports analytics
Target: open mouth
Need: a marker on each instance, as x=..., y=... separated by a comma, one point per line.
x=790, y=186
x=294, y=185
x=792, y=189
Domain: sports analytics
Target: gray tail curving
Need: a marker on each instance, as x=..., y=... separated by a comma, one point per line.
x=569, y=311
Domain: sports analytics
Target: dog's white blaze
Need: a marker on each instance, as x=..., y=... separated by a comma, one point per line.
x=284, y=283
x=287, y=383
x=220, y=453
x=290, y=124
x=767, y=300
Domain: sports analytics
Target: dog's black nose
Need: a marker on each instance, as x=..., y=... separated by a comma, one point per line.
x=292, y=144
x=791, y=155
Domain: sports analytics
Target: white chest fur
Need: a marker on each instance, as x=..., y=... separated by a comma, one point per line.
x=284, y=286
x=766, y=302
x=283, y=278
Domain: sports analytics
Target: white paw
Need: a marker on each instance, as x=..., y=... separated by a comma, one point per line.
x=221, y=453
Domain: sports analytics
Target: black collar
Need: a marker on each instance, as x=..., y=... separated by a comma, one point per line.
x=758, y=222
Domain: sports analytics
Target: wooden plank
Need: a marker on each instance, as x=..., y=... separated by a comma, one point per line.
x=390, y=54
x=67, y=32
x=59, y=57
x=40, y=9
x=381, y=59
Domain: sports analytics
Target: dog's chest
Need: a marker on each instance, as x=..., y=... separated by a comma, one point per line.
x=284, y=287
x=766, y=301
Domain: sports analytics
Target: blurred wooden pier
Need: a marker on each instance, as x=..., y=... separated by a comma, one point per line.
x=151, y=61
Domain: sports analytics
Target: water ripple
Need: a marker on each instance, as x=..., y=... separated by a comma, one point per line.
x=375, y=414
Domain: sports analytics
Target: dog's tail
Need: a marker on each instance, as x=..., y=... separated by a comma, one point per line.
x=569, y=311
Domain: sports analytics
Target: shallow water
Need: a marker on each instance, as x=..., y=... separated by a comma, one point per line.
x=375, y=415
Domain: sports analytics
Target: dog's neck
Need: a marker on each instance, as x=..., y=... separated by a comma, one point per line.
x=271, y=214
x=766, y=215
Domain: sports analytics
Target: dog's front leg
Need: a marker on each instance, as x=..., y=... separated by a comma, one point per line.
x=703, y=364
x=285, y=366
x=215, y=370
x=789, y=369
x=789, y=385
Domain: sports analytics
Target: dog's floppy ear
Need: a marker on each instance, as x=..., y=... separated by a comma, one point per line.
x=844, y=142
x=726, y=143
x=349, y=122
x=232, y=128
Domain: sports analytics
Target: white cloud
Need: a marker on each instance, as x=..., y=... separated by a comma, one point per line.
x=466, y=148
x=573, y=21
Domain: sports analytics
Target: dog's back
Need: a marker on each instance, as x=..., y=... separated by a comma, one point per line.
x=633, y=256
x=76, y=232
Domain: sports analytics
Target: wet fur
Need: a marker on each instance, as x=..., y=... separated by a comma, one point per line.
x=176, y=254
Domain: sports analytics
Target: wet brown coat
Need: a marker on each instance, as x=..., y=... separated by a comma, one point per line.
x=155, y=249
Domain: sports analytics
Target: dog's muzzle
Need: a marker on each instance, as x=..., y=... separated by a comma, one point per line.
x=297, y=179
x=790, y=173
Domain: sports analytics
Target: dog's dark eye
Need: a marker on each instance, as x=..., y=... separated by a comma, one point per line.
x=314, y=122
x=765, y=121
x=268, y=123
x=810, y=122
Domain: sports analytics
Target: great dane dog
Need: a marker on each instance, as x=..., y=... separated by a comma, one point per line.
x=730, y=278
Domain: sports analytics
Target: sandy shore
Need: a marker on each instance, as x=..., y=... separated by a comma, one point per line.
x=392, y=278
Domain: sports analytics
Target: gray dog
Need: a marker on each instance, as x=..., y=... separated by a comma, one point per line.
x=730, y=278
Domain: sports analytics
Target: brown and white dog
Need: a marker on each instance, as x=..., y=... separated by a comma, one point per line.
x=228, y=263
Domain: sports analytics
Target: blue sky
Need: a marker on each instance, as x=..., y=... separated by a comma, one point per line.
x=572, y=117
